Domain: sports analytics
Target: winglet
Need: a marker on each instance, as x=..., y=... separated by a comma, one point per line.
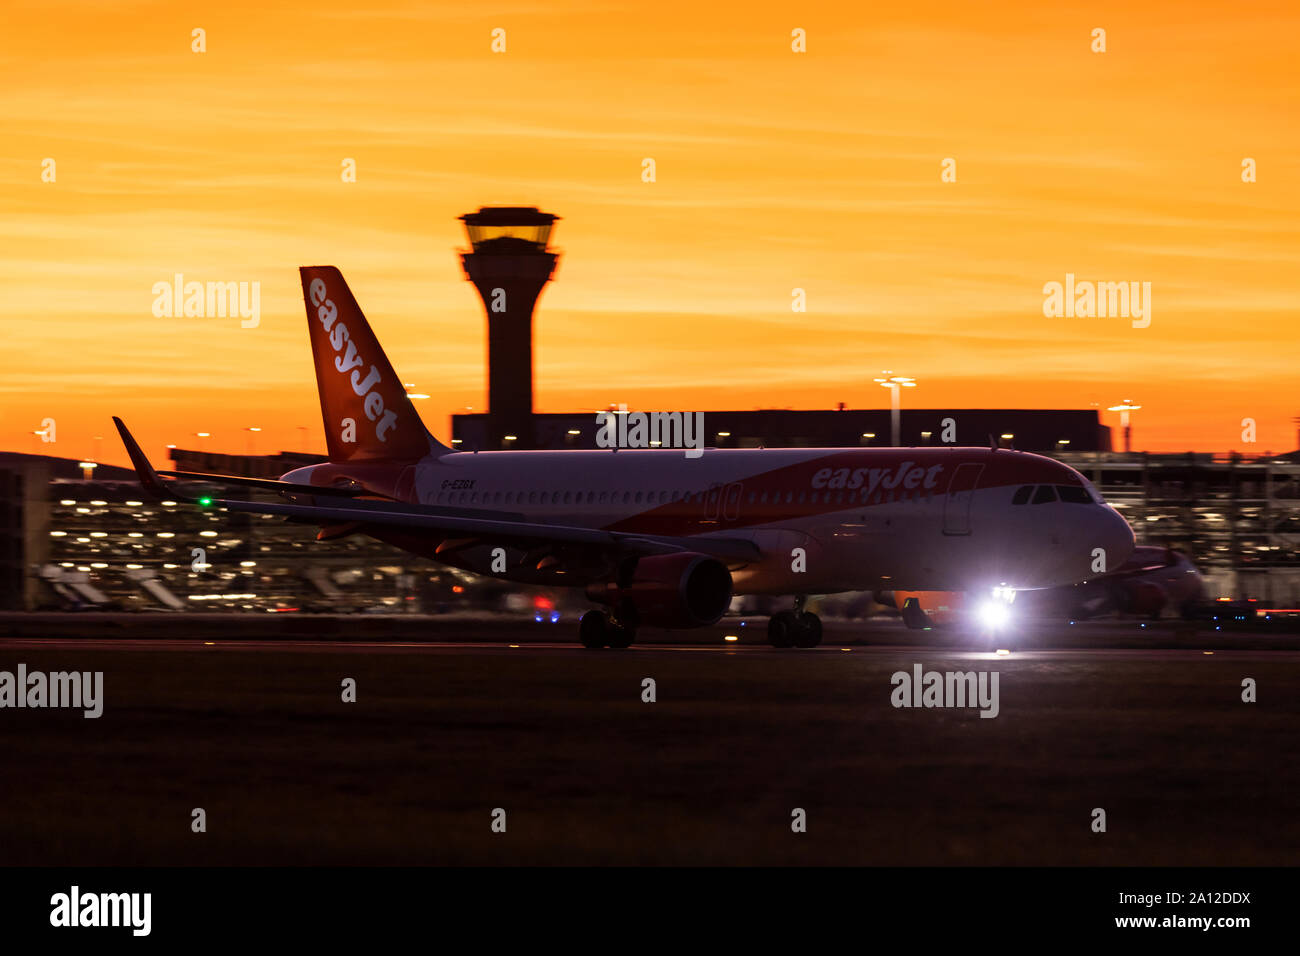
x=144, y=471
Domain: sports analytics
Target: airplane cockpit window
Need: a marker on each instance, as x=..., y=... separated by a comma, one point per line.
x=1074, y=494
x=1044, y=494
x=1092, y=490
x=1022, y=494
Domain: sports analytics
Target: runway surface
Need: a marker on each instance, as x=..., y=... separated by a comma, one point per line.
x=738, y=739
x=532, y=647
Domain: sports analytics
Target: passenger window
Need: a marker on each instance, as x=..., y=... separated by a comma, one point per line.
x=1044, y=494
x=1022, y=494
x=1074, y=494
x=638, y=497
x=532, y=497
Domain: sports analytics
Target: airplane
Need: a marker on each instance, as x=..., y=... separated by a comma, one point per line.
x=1152, y=580
x=657, y=537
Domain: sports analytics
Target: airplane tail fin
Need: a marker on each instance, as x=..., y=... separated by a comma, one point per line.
x=367, y=414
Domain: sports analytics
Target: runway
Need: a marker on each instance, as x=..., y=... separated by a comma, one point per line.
x=738, y=737
x=486, y=648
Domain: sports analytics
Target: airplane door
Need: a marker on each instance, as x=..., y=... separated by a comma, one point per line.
x=961, y=494
x=731, y=508
x=712, y=502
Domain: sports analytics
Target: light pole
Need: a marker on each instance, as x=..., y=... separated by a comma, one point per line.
x=1124, y=408
x=895, y=383
x=252, y=432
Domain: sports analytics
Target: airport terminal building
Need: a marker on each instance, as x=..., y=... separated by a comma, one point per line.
x=1040, y=430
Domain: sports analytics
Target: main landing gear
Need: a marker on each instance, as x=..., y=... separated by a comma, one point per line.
x=599, y=629
x=797, y=628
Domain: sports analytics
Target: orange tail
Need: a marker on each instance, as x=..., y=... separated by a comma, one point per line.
x=367, y=414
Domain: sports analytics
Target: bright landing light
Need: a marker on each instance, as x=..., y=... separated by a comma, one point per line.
x=994, y=614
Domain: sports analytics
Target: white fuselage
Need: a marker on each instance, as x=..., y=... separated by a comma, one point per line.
x=825, y=520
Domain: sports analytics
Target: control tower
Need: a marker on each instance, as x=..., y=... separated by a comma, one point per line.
x=509, y=264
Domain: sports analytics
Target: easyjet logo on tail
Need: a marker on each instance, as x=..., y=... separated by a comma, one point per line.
x=348, y=360
x=908, y=474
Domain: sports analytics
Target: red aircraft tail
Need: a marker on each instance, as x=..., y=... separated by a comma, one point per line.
x=367, y=414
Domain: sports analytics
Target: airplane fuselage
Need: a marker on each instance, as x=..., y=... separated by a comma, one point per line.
x=824, y=520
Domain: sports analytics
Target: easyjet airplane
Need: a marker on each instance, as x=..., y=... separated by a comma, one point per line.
x=657, y=537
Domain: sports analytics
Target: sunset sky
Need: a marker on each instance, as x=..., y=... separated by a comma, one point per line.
x=775, y=170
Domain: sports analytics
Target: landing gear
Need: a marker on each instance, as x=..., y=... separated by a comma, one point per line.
x=620, y=635
x=598, y=629
x=797, y=628
x=592, y=629
x=810, y=630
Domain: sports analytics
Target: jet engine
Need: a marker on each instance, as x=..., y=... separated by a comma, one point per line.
x=670, y=590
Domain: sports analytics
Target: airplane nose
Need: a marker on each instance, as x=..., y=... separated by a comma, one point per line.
x=1118, y=538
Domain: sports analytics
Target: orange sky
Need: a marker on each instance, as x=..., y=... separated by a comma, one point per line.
x=775, y=170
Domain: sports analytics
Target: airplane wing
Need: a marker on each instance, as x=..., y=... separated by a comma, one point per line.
x=501, y=528
x=269, y=484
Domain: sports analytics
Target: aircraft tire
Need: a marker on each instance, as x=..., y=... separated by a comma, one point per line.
x=620, y=635
x=810, y=630
x=594, y=629
x=782, y=629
